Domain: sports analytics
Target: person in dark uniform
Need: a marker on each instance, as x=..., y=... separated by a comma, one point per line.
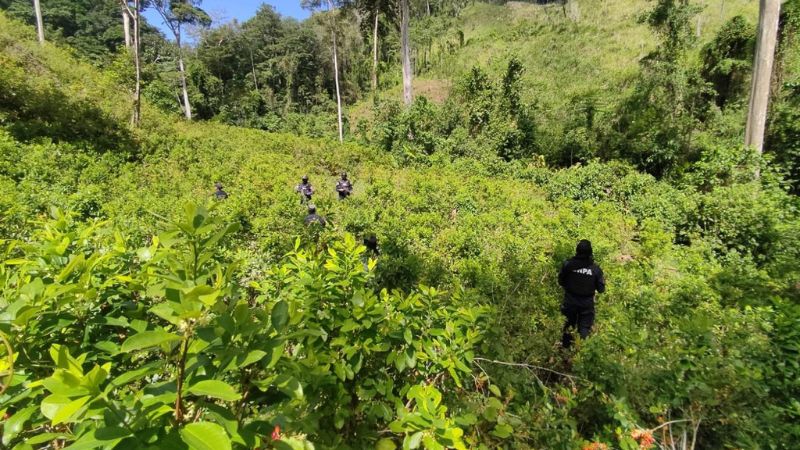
x=344, y=187
x=313, y=217
x=581, y=278
x=371, y=242
x=304, y=189
x=219, y=194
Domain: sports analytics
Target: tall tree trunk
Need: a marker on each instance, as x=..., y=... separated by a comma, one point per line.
x=187, y=107
x=253, y=69
x=408, y=96
x=37, y=9
x=762, y=73
x=574, y=11
x=134, y=14
x=137, y=61
x=289, y=87
x=336, y=70
x=375, y=52
x=126, y=27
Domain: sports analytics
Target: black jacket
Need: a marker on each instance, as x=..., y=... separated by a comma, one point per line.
x=581, y=278
x=315, y=218
x=344, y=188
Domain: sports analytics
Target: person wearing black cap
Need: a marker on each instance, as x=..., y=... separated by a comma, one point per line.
x=304, y=189
x=581, y=278
x=313, y=217
x=344, y=187
x=219, y=194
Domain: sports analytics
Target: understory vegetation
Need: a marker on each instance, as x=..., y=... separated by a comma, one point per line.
x=140, y=313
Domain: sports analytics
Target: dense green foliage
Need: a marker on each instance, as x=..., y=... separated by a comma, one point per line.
x=142, y=314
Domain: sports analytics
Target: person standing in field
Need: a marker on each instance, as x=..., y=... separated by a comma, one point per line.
x=344, y=187
x=372, y=252
x=581, y=278
x=314, y=218
x=219, y=194
x=305, y=190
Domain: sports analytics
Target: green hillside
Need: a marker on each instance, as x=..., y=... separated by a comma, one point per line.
x=140, y=313
x=592, y=51
x=596, y=52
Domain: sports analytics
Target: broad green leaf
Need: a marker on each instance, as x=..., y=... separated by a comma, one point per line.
x=432, y=444
x=96, y=377
x=205, y=436
x=385, y=444
x=15, y=423
x=225, y=417
x=52, y=404
x=133, y=375
x=64, y=383
x=280, y=315
x=166, y=311
x=147, y=339
x=289, y=385
x=349, y=325
x=62, y=358
x=105, y=438
x=503, y=430
x=252, y=357
x=108, y=347
x=413, y=441
x=216, y=389
x=407, y=336
x=275, y=352
x=73, y=264
x=67, y=411
x=15, y=262
x=46, y=437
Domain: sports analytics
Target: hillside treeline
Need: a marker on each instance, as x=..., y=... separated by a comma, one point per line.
x=274, y=73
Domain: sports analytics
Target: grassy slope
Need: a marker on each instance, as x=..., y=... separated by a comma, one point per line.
x=596, y=55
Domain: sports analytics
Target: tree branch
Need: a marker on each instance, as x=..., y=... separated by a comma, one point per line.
x=530, y=367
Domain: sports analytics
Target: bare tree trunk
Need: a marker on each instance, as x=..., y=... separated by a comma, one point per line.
x=137, y=46
x=574, y=11
x=126, y=27
x=762, y=73
x=187, y=106
x=336, y=71
x=175, y=27
x=408, y=95
x=253, y=68
x=375, y=53
x=289, y=86
x=129, y=14
x=37, y=9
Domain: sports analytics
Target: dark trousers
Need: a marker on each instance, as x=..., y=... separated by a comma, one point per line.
x=578, y=316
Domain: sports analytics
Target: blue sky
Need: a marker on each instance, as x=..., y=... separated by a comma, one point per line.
x=227, y=10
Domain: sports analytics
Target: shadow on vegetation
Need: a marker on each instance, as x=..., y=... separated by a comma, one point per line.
x=29, y=113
